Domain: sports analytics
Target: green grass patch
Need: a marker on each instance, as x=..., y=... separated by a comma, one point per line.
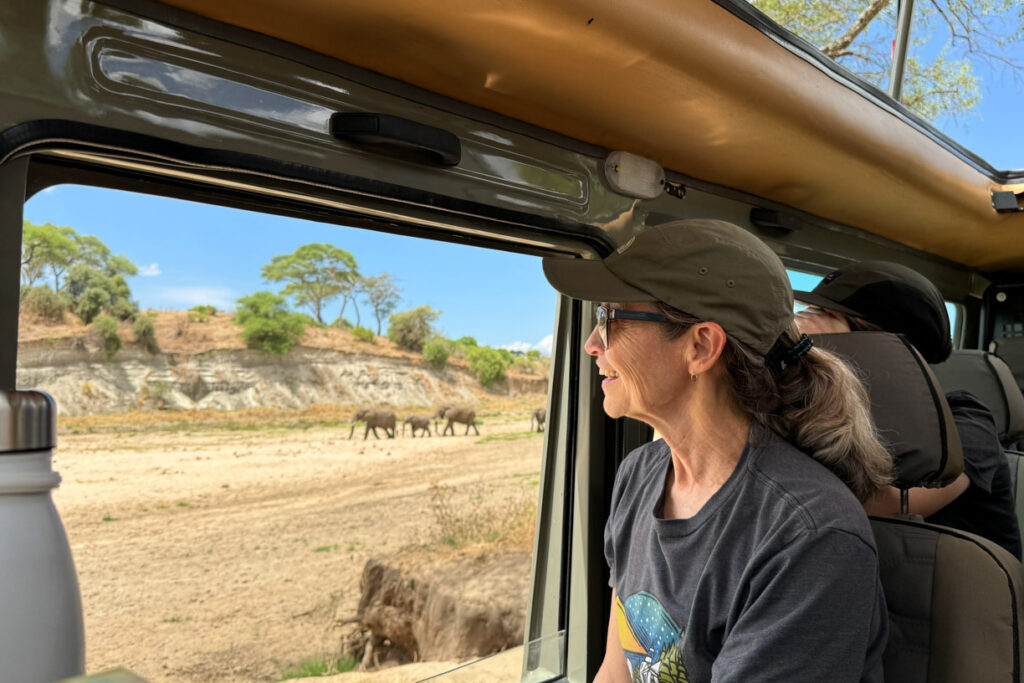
x=325, y=548
x=108, y=518
x=183, y=504
x=314, y=667
x=509, y=436
x=176, y=620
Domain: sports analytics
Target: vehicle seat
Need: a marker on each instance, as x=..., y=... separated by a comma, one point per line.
x=992, y=382
x=955, y=600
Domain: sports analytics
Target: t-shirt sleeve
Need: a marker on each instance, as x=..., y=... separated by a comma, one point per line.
x=810, y=613
x=613, y=525
x=983, y=454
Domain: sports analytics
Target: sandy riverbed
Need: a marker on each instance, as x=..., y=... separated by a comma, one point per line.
x=226, y=554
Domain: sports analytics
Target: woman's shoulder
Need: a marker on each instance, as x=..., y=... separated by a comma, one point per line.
x=800, y=488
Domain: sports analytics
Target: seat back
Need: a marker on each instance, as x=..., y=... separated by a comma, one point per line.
x=955, y=600
x=991, y=381
x=907, y=404
x=955, y=603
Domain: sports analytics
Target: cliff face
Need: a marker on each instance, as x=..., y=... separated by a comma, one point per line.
x=83, y=381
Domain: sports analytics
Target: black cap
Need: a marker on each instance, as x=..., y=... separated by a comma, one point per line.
x=894, y=297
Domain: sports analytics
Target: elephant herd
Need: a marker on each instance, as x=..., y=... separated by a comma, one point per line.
x=386, y=419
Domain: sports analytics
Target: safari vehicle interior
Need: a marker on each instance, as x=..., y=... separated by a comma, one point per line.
x=533, y=127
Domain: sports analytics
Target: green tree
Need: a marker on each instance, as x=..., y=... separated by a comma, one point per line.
x=348, y=289
x=45, y=246
x=436, y=351
x=412, y=328
x=313, y=273
x=92, y=290
x=488, y=365
x=267, y=323
x=382, y=294
x=947, y=36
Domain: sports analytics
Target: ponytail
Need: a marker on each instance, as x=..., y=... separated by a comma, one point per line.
x=818, y=404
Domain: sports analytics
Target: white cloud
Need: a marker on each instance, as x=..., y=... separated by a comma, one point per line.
x=517, y=346
x=152, y=270
x=544, y=345
x=187, y=297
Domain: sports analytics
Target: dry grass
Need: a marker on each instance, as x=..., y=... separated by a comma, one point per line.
x=467, y=520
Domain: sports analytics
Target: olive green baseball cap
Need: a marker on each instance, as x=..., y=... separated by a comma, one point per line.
x=711, y=269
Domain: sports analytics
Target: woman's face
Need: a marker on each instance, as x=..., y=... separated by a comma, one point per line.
x=814, y=320
x=644, y=375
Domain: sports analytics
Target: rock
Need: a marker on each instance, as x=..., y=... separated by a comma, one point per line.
x=84, y=382
x=461, y=609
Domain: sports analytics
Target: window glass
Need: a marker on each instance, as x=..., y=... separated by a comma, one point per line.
x=802, y=282
x=954, y=320
x=228, y=517
x=963, y=68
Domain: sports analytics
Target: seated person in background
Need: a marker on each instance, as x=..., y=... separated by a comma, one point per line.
x=881, y=296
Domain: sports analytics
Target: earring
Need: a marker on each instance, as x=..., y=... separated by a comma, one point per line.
x=693, y=378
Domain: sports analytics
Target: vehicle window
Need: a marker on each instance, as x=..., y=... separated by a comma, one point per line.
x=802, y=282
x=963, y=65
x=954, y=320
x=228, y=517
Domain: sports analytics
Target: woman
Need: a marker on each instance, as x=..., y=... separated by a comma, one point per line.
x=737, y=545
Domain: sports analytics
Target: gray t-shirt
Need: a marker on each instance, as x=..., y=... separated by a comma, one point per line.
x=775, y=579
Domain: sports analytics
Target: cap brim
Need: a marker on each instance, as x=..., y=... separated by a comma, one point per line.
x=812, y=299
x=590, y=281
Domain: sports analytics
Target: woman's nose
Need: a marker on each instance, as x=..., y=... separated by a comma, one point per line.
x=593, y=345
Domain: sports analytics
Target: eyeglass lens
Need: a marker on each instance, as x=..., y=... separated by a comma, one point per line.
x=602, y=325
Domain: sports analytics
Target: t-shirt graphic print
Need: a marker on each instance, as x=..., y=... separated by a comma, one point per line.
x=651, y=640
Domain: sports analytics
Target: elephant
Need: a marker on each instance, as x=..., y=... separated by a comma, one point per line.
x=439, y=415
x=538, y=416
x=462, y=414
x=374, y=417
x=417, y=422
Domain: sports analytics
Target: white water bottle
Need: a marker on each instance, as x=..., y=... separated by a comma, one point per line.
x=41, y=631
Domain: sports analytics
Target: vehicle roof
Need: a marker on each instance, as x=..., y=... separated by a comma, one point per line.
x=686, y=82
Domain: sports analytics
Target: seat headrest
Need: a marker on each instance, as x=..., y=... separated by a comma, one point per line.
x=907, y=404
x=991, y=381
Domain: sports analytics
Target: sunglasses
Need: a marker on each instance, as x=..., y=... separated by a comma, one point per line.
x=605, y=314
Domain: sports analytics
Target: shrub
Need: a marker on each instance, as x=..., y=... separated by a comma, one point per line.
x=364, y=335
x=145, y=334
x=268, y=325
x=435, y=352
x=412, y=328
x=201, y=313
x=487, y=365
x=523, y=364
x=123, y=309
x=107, y=329
x=91, y=303
x=45, y=303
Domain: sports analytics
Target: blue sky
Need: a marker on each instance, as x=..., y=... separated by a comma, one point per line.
x=191, y=254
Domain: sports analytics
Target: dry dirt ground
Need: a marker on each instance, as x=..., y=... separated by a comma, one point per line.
x=227, y=552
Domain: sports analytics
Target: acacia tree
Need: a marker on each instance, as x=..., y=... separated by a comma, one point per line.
x=45, y=246
x=349, y=287
x=382, y=294
x=946, y=36
x=312, y=273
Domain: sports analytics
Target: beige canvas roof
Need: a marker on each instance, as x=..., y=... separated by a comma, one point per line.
x=682, y=81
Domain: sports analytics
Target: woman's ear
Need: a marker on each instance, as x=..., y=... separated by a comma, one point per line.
x=707, y=340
